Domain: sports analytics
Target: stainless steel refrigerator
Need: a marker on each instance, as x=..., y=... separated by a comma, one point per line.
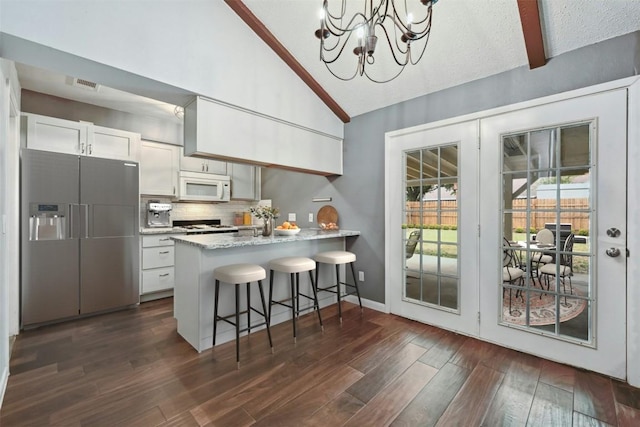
x=79, y=252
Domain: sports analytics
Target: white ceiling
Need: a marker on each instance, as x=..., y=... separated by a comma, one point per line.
x=470, y=39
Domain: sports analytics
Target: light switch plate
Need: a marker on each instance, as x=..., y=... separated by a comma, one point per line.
x=310, y=217
x=292, y=217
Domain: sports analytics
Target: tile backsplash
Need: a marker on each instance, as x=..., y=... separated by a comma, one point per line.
x=191, y=211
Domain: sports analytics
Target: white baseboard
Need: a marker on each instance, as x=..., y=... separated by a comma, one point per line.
x=374, y=305
x=3, y=384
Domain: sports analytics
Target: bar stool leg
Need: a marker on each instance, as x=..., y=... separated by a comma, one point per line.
x=237, y=326
x=316, y=304
x=355, y=283
x=248, y=308
x=338, y=291
x=298, y=294
x=215, y=312
x=293, y=305
x=270, y=293
x=264, y=311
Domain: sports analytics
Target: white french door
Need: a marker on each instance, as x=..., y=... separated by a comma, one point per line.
x=432, y=234
x=559, y=166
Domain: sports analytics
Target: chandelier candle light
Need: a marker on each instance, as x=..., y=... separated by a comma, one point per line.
x=406, y=38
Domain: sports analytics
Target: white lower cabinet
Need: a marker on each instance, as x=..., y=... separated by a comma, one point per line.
x=157, y=263
x=157, y=279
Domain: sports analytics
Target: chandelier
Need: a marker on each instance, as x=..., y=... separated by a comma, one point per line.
x=358, y=31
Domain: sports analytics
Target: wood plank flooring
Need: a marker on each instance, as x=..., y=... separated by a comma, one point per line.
x=131, y=368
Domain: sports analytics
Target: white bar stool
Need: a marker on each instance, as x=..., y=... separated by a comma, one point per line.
x=236, y=274
x=338, y=258
x=294, y=266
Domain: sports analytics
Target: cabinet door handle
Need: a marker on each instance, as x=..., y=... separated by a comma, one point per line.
x=164, y=252
x=207, y=167
x=82, y=148
x=203, y=167
x=164, y=239
x=90, y=149
x=164, y=275
x=174, y=190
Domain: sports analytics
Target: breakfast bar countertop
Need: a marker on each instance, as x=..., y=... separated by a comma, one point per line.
x=230, y=240
x=161, y=230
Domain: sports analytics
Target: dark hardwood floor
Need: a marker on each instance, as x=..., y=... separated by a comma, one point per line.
x=131, y=368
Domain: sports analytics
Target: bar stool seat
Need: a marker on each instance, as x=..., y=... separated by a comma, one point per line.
x=239, y=273
x=294, y=266
x=236, y=274
x=335, y=257
x=338, y=258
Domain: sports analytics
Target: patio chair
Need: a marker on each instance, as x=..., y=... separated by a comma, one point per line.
x=545, y=237
x=564, y=270
x=511, y=273
x=412, y=242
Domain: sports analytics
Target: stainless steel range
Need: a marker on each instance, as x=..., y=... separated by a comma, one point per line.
x=204, y=226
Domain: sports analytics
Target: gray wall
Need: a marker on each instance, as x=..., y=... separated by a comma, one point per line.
x=358, y=195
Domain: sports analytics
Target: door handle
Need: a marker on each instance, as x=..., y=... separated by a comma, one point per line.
x=613, y=232
x=613, y=252
x=84, y=220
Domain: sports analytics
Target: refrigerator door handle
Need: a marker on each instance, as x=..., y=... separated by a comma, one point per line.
x=84, y=220
x=70, y=226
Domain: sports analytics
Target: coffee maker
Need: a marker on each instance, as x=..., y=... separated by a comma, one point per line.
x=158, y=214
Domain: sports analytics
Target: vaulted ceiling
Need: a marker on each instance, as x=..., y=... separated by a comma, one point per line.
x=470, y=39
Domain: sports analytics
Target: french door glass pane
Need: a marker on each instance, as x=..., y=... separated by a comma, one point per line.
x=546, y=223
x=430, y=232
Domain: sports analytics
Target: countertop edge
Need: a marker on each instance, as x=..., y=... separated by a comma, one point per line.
x=222, y=241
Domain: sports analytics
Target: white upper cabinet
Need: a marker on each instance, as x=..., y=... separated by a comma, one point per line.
x=113, y=143
x=225, y=131
x=245, y=181
x=194, y=164
x=51, y=134
x=159, y=165
x=80, y=138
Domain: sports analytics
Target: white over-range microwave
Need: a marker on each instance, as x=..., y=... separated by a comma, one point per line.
x=204, y=187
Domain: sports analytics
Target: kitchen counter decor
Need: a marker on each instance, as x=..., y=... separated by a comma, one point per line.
x=267, y=214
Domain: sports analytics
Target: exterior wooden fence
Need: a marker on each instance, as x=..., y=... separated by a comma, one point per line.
x=572, y=211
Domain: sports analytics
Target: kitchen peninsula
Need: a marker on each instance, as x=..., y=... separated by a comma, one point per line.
x=197, y=256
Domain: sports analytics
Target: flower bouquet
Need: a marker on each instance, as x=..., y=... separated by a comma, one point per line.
x=267, y=214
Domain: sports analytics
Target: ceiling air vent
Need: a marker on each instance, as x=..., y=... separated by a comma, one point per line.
x=85, y=84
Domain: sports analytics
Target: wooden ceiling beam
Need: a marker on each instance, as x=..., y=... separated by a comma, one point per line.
x=261, y=31
x=532, y=30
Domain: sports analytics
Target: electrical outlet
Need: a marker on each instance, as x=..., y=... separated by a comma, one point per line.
x=310, y=217
x=361, y=276
x=292, y=217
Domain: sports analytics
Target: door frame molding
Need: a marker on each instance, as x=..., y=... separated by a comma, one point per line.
x=633, y=233
x=633, y=205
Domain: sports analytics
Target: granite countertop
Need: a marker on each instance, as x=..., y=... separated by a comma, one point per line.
x=230, y=240
x=169, y=230
x=162, y=230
